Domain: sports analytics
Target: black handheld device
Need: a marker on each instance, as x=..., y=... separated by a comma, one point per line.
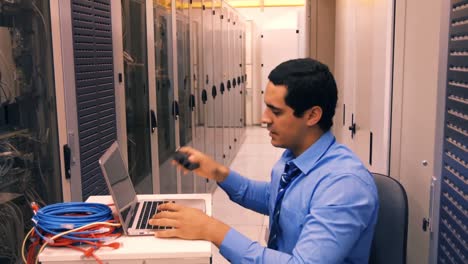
x=182, y=159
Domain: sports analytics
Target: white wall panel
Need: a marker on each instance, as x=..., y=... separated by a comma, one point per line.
x=271, y=23
x=363, y=60
x=275, y=51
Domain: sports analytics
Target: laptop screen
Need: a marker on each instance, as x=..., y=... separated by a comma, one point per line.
x=120, y=183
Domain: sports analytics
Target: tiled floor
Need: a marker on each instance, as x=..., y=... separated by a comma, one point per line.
x=254, y=160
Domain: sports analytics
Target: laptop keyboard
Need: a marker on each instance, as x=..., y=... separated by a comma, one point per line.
x=149, y=209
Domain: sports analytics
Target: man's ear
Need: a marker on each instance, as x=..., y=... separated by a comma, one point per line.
x=313, y=115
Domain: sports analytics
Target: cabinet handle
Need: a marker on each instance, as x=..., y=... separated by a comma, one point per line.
x=67, y=159
x=213, y=91
x=154, y=124
x=192, y=102
x=204, y=96
x=175, y=110
x=221, y=88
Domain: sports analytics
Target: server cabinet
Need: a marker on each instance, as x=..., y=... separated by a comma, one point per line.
x=199, y=95
x=215, y=107
x=137, y=104
x=243, y=78
x=240, y=79
x=452, y=192
x=208, y=64
x=238, y=65
x=30, y=97
x=227, y=135
x=230, y=85
x=235, y=75
x=167, y=107
x=184, y=85
x=218, y=87
x=86, y=29
x=29, y=150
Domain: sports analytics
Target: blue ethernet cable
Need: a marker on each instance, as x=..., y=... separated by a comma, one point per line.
x=58, y=218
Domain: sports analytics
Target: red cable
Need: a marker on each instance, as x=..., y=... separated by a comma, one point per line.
x=65, y=242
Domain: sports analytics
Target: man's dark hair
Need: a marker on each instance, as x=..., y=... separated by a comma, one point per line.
x=309, y=83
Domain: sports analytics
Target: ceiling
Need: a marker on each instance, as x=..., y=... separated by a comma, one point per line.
x=265, y=3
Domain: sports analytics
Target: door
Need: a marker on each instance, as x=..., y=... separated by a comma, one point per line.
x=88, y=66
x=228, y=150
x=165, y=99
x=137, y=100
x=219, y=87
x=199, y=94
x=184, y=90
x=414, y=113
x=209, y=84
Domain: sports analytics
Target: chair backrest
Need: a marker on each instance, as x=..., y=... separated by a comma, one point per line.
x=389, y=243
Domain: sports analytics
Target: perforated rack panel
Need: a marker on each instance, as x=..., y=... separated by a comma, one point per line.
x=94, y=71
x=454, y=192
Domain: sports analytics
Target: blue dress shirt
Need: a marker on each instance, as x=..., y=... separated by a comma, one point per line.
x=327, y=215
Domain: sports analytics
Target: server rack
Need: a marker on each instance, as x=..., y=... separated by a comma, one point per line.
x=235, y=81
x=451, y=205
x=230, y=78
x=137, y=100
x=208, y=54
x=199, y=93
x=243, y=78
x=165, y=95
x=218, y=125
x=228, y=150
x=239, y=64
x=29, y=148
x=184, y=86
x=29, y=139
x=88, y=67
x=171, y=81
x=153, y=75
x=198, y=67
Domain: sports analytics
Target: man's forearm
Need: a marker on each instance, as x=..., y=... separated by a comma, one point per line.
x=216, y=231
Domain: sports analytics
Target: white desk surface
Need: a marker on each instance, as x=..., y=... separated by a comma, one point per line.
x=141, y=248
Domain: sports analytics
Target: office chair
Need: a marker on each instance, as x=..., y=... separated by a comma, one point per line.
x=389, y=242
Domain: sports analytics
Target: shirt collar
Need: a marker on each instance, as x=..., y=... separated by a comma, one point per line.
x=306, y=161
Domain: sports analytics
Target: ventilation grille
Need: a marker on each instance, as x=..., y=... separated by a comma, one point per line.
x=453, y=231
x=92, y=44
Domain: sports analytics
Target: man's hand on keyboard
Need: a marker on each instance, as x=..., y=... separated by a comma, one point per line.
x=188, y=223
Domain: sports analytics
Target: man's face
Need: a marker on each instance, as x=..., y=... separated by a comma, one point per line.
x=286, y=130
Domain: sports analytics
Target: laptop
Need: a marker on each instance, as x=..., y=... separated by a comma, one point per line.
x=133, y=213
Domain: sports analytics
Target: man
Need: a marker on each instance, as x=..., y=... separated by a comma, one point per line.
x=321, y=200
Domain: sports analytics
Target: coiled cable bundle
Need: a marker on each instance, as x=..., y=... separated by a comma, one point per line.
x=71, y=225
